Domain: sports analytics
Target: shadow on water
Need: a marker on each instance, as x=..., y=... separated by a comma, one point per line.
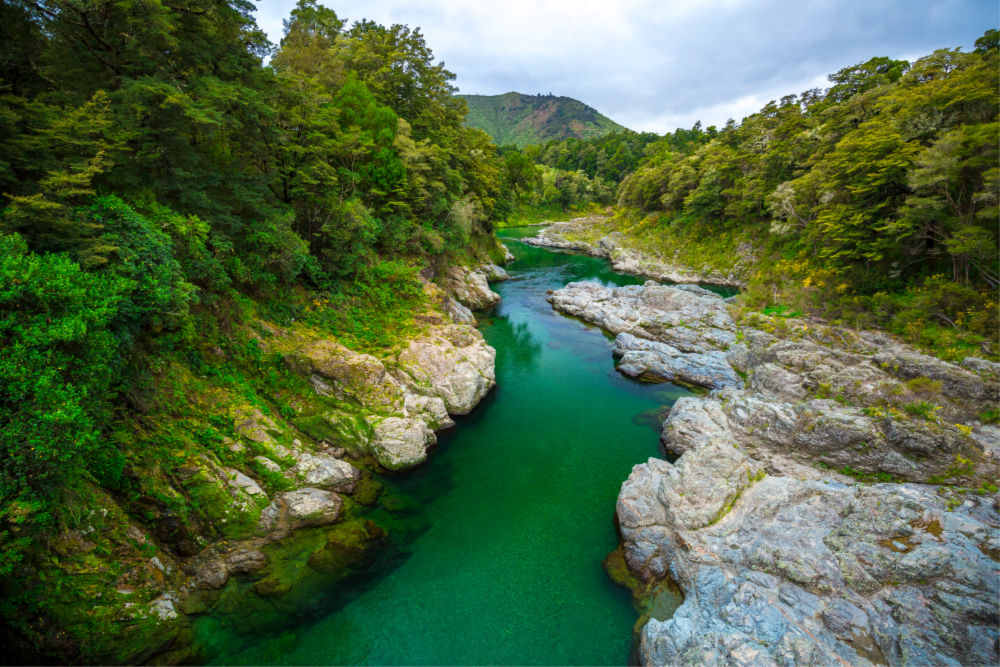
x=493, y=548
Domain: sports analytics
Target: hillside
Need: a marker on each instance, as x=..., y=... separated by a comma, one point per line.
x=514, y=118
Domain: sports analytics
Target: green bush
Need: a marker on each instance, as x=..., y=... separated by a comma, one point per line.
x=59, y=362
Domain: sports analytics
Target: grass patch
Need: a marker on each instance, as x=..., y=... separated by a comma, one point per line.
x=869, y=477
x=991, y=416
x=781, y=310
x=922, y=409
x=526, y=214
x=371, y=313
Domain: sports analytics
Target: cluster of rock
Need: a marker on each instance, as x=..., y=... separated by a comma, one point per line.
x=380, y=414
x=387, y=408
x=782, y=555
x=447, y=370
x=587, y=235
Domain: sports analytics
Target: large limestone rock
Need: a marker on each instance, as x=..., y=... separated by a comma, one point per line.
x=667, y=333
x=324, y=471
x=449, y=368
x=881, y=423
x=687, y=320
x=566, y=235
x=399, y=442
x=306, y=507
x=782, y=557
x=453, y=363
x=470, y=286
x=785, y=571
x=653, y=360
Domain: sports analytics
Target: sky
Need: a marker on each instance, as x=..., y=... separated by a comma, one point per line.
x=656, y=65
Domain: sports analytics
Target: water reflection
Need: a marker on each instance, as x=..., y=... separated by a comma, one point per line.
x=514, y=342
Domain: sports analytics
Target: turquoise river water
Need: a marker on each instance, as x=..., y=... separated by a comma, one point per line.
x=513, y=513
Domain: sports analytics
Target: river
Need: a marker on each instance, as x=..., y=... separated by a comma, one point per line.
x=501, y=534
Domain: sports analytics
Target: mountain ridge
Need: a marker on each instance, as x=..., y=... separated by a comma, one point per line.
x=521, y=120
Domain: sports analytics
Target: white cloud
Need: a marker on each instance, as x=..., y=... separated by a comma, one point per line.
x=656, y=65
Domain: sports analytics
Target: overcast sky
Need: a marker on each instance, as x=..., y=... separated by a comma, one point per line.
x=661, y=64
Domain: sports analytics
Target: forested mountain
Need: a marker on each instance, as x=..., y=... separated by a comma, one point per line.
x=520, y=120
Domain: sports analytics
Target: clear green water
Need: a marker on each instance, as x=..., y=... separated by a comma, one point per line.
x=512, y=515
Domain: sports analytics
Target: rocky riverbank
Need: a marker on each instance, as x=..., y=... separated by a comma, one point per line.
x=591, y=235
x=833, y=498
x=263, y=517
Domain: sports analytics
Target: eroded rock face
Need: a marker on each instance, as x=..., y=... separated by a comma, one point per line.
x=782, y=556
x=324, y=471
x=470, y=286
x=556, y=235
x=653, y=360
x=685, y=319
x=309, y=507
x=449, y=368
x=453, y=363
x=784, y=413
x=807, y=571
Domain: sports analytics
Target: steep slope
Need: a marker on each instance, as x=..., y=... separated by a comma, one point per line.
x=514, y=118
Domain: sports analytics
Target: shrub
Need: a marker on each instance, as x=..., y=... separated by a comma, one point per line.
x=59, y=364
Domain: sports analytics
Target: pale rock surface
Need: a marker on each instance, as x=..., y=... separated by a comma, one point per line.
x=648, y=359
x=781, y=559
x=324, y=471
x=310, y=507
x=807, y=571
x=445, y=370
x=470, y=287
x=451, y=363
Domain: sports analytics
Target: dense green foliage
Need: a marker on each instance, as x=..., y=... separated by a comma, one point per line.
x=519, y=120
x=152, y=162
x=877, y=199
x=564, y=176
x=611, y=157
x=154, y=169
x=161, y=186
